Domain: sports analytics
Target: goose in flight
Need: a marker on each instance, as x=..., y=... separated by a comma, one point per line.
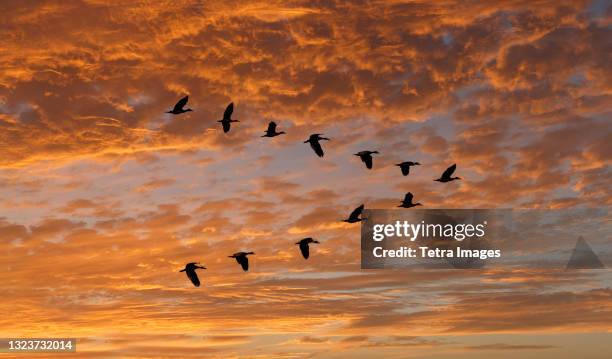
x=407, y=202
x=405, y=166
x=178, y=108
x=271, y=131
x=227, y=118
x=304, y=246
x=190, y=270
x=314, y=143
x=241, y=258
x=446, y=176
x=354, y=216
x=366, y=157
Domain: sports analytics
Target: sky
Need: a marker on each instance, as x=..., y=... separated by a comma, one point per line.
x=104, y=196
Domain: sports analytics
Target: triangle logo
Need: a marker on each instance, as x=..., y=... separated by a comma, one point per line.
x=583, y=257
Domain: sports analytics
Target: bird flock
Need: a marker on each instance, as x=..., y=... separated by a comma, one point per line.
x=315, y=143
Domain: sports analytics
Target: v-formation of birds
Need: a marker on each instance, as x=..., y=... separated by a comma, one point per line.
x=315, y=143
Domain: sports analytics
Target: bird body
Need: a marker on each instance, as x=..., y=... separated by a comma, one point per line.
x=227, y=118
x=190, y=270
x=407, y=202
x=446, y=176
x=179, y=107
x=366, y=157
x=354, y=217
x=304, y=246
x=314, y=143
x=241, y=258
x=405, y=166
x=271, y=131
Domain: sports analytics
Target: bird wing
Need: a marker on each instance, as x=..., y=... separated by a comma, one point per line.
x=193, y=277
x=316, y=146
x=228, y=111
x=367, y=159
x=304, y=249
x=356, y=212
x=244, y=262
x=408, y=197
x=226, y=126
x=405, y=169
x=272, y=127
x=449, y=171
x=181, y=103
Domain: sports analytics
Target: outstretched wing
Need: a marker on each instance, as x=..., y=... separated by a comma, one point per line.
x=180, y=104
x=356, y=212
x=316, y=146
x=244, y=262
x=449, y=171
x=367, y=159
x=193, y=277
x=304, y=249
x=405, y=169
x=228, y=112
x=272, y=127
x=408, y=197
x=226, y=126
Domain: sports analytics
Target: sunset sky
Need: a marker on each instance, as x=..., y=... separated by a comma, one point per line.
x=104, y=196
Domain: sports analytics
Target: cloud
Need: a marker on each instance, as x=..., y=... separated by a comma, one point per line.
x=104, y=196
x=502, y=346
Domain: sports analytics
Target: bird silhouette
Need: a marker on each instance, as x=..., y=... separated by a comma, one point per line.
x=354, y=216
x=271, y=131
x=190, y=270
x=405, y=166
x=241, y=258
x=446, y=176
x=314, y=143
x=178, y=108
x=366, y=157
x=227, y=118
x=304, y=246
x=407, y=202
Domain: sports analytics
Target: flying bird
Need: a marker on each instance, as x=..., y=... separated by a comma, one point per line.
x=304, y=246
x=366, y=157
x=314, y=143
x=190, y=270
x=178, y=108
x=354, y=217
x=241, y=258
x=405, y=166
x=227, y=118
x=271, y=131
x=446, y=176
x=407, y=202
